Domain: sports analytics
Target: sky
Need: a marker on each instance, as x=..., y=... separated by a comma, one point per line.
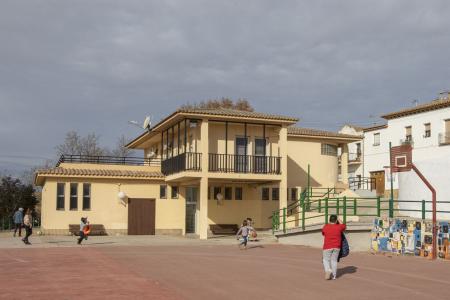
x=91, y=66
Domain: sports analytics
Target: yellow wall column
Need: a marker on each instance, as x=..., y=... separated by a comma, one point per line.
x=204, y=150
x=284, y=175
x=344, y=164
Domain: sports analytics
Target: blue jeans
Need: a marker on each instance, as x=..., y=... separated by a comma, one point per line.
x=245, y=239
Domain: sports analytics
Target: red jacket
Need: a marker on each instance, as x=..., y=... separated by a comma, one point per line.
x=332, y=235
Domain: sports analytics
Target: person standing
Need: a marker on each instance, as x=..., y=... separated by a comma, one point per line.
x=28, y=224
x=332, y=234
x=18, y=221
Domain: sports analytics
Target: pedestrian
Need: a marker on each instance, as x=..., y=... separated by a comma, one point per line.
x=332, y=233
x=83, y=226
x=28, y=224
x=18, y=221
x=244, y=232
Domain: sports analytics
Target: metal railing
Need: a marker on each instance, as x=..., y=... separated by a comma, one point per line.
x=362, y=183
x=408, y=140
x=109, y=160
x=354, y=157
x=444, y=138
x=7, y=223
x=189, y=161
x=344, y=206
x=232, y=163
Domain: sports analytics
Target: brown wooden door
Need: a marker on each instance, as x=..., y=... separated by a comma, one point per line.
x=379, y=181
x=141, y=216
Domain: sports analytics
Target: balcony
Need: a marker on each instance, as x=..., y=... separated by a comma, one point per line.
x=354, y=157
x=444, y=138
x=232, y=163
x=408, y=140
x=189, y=161
x=109, y=160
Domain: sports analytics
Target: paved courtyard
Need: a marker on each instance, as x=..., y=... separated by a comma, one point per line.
x=179, y=268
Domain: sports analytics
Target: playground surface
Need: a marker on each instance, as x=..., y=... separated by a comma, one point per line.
x=180, y=268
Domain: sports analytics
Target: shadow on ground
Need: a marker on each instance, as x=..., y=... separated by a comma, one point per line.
x=346, y=270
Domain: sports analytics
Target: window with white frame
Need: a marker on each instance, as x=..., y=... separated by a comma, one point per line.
x=376, y=139
x=427, y=133
x=329, y=149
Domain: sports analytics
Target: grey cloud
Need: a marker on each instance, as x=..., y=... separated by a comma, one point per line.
x=92, y=65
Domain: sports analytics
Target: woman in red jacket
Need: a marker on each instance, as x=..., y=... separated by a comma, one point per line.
x=332, y=239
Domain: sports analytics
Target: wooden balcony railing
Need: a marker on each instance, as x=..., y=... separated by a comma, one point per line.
x=231, y=163
x=188, y=161
x=109, y=160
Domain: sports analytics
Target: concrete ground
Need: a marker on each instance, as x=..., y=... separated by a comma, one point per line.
x=140, y=267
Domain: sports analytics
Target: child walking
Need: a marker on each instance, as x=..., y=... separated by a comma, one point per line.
x=84, y=222
x=244, y=231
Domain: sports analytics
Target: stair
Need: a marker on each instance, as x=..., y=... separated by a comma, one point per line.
x=365, y=193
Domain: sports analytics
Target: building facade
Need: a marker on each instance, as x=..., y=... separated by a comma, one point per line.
x=426, y=128
x=200, y=167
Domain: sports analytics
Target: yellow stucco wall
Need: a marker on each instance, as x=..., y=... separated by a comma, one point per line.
x=105, y=206
x=304, y=151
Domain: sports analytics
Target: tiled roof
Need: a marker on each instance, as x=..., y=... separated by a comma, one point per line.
x=99, y=172
x=433, y=105
x=320, y=133
x=375, y=127
x=236, y=113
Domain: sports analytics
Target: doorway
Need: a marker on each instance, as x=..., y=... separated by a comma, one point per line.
x=240, y=164
x=379, y=181
x=191, y=209
x=141, y=216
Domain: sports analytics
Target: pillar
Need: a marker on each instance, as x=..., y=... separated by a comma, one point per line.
x=283, y=154
x=344, y=164
x=204, y=150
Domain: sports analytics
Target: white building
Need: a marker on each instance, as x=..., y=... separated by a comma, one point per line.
x=355, y=155
x=427, y=128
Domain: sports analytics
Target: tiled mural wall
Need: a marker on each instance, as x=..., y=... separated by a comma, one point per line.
x=409, y=237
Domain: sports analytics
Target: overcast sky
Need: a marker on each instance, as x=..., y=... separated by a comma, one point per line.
x=91, y=66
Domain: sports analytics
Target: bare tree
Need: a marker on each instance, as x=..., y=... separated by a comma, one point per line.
x=74, y=144
x=120, y=149
x=226, y=103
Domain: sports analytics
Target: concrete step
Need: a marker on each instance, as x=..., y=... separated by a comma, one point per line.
x=365, y=193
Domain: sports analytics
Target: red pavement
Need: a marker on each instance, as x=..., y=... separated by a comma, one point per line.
x=213, y=272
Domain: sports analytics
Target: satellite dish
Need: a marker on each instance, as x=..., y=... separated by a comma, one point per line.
x=145, y=125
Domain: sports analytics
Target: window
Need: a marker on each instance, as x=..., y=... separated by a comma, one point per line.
x=328, y=149
x=217, y=190
x=376, y=139
x=265, y=193
x=163, y=191
x=238, y=193
x=276, y=194
x=294, y=194
x=73, y=196
x=427, y=130
x=408, y=133
x=260, y=147
x=174, y=192
x=228, y=193
x=86, y=196
x=60, y=196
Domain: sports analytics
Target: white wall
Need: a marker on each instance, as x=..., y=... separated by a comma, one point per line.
x=354, y=169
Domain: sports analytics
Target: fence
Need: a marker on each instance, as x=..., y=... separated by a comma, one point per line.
x=7, y=223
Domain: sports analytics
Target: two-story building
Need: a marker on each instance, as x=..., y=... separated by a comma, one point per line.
x=427, y=128
x=200, y=167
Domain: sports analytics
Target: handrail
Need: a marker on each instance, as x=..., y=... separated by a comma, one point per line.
x=346, y=207
x=108, y=159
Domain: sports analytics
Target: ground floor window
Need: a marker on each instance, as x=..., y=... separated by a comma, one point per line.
x=238, y=193
x=294, y=194
x=73, y=196
x=275, y=193
x=60, y=198
x=228, y=193
x=265, y=193
x=86, y=196
x=163, y=191
x=174, y=192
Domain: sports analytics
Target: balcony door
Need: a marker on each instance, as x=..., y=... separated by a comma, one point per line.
x=240, y=159
x=260, y=164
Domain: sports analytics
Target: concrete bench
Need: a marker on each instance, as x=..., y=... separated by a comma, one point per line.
x=224, y=228
x=96, y=229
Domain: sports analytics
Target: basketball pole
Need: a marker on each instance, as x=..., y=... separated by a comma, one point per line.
x=391, y=198
x=433, y=192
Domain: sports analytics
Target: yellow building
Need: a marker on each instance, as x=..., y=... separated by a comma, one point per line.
x=200, y=167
